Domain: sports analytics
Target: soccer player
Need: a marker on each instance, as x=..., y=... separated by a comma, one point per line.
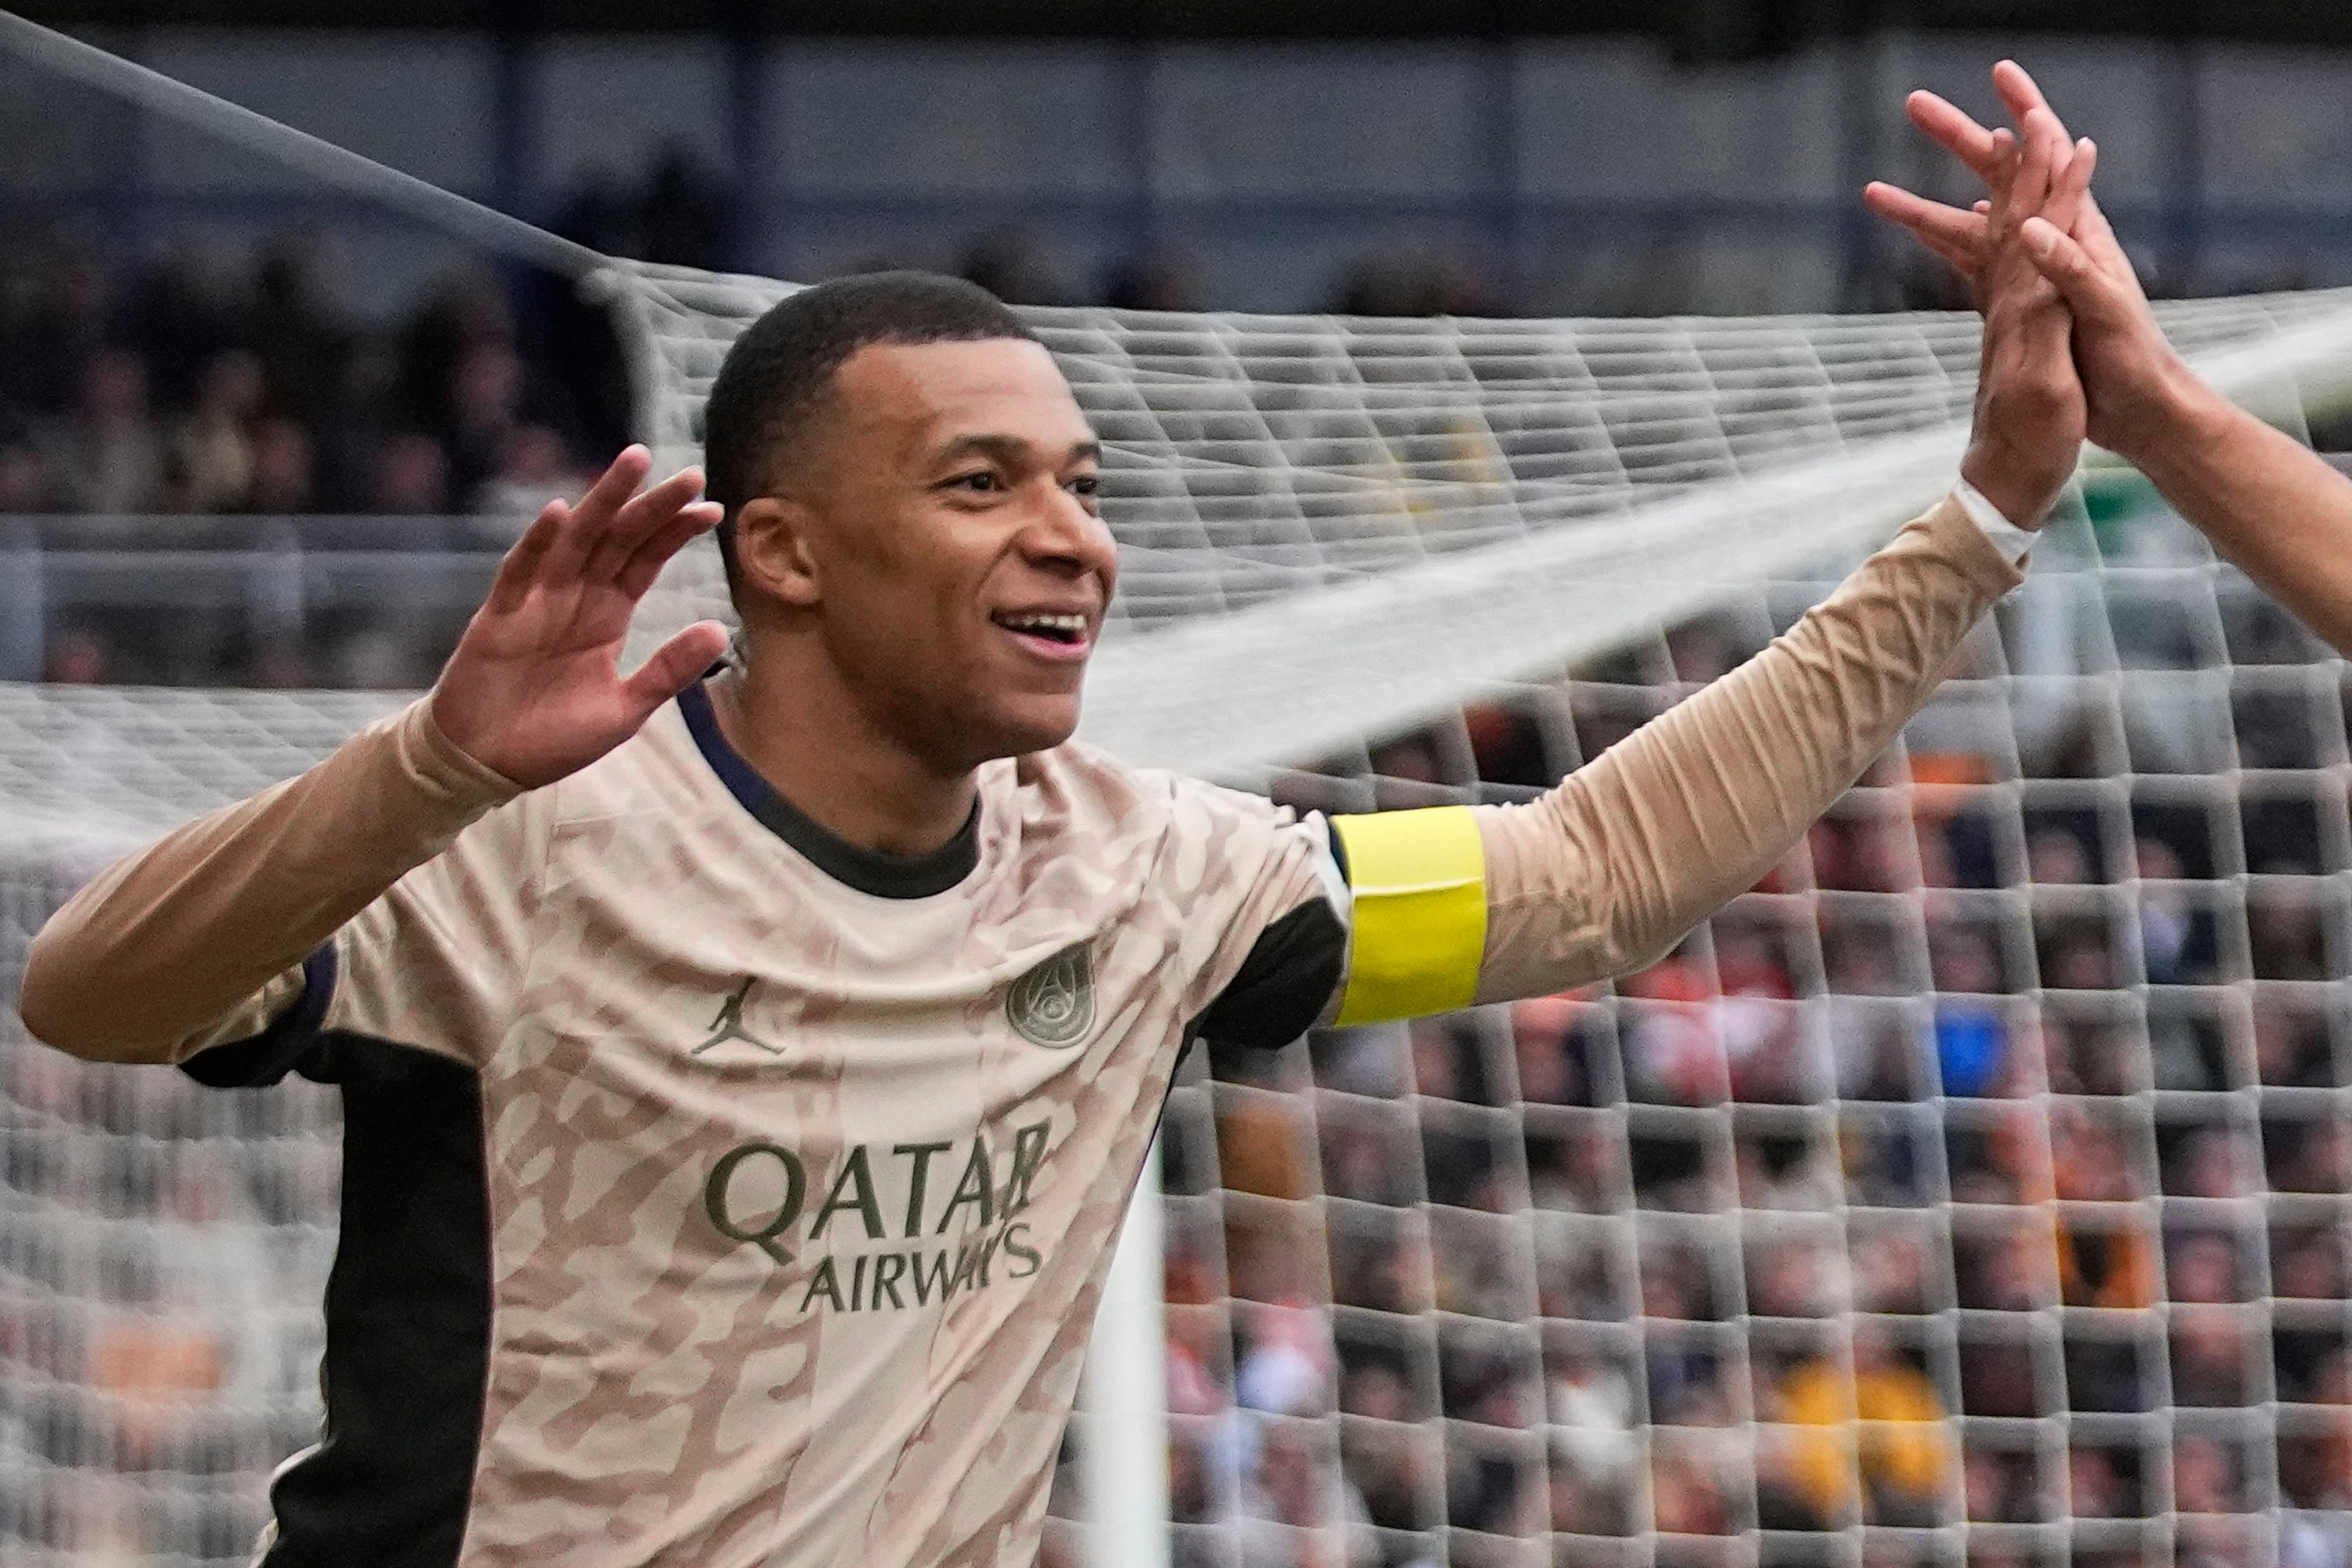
x=2278, y=511
x=745, y=1070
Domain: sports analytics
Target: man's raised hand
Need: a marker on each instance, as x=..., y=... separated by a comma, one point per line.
x=534, y=689
x=2030, y=414
x=2131, y=376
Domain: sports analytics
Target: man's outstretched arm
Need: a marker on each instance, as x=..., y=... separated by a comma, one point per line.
x=2272, y=506
x=1605, y=873
x=213, y=921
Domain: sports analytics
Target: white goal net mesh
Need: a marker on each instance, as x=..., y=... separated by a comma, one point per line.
x=1973, y=1192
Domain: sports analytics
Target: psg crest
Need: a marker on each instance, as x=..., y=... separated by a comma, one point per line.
x=1053, y=1003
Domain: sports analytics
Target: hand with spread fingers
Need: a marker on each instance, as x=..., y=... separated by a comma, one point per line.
x=2130, y=374
x=2030, y=408
x=534, y=689
x=2265, y=499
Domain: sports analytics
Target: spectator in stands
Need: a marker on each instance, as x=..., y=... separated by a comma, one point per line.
x=211, y=454
x=2308, y=1263
x=1589, y=1400
x=1287, y=1366
x=2291, y=1046
x=1582, y=1504
x=285, y=471
x=303, y=349
x=1577, y=1170
x=1549, y=1036
x=78, y=656
x=1894, y=1467
x=1676, y=1043
x=1800, y=1275
x=1395, y=1471
x=2096, y=1488
x=29, y=483
x=1576, y=1281
x=1972, y=1035
x=2008, y=1271
x=1361, y=1162
x=468, y=309
x=1686, y=1497
x=485, y=408
x=2216, y=1164
x=1296, y=1483
x=2203, y=1267
x=411, y=476
x=2284, y=933
x=1783, y=1172
x=2310, y=1156
x=534, y=468
x=2209, y=1356
x=108, y=456
x=2204, y=1480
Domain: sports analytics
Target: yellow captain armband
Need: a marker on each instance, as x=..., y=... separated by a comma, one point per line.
x=1420, y=883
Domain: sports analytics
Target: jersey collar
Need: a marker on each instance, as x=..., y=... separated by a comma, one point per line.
x=852, y=865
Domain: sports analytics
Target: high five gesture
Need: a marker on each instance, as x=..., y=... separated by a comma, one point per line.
x=2129, y=372
x=2265, y=499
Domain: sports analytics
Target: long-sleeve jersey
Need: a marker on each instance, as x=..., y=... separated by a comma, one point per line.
x=719, y=1192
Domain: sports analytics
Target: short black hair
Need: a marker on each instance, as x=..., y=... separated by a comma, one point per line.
x=779, y=371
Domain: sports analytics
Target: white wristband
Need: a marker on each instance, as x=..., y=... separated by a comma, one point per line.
x=2011, y=541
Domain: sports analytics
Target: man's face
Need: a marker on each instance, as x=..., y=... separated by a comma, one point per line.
x=959, y=569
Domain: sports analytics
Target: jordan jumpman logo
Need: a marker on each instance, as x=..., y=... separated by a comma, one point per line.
x=729, y=1025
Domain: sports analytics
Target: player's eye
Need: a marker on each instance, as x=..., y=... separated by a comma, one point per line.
x=1084, y=486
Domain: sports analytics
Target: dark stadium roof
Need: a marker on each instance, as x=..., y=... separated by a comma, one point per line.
x=1699, y=29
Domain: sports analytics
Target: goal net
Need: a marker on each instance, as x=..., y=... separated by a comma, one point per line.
x=1975, y=1191
x=1975, y=1188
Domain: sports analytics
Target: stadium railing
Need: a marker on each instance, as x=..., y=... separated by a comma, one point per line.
x=260, y=583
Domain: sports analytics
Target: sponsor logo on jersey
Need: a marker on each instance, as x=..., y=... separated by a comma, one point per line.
x=729, y=1025
x=759, y=1195
x=1053, y=1003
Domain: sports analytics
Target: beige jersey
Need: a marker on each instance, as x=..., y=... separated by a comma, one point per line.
x=800, y=1166
x=719, y=1193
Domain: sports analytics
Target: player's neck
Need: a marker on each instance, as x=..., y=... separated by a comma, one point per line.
x=816, y=748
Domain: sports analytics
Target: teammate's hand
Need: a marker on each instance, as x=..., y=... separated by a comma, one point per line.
x=2136, y=385
x=2030, y=408
x=534, y=689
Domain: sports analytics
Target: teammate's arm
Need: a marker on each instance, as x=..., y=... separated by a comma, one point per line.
x=1603, y=873
x=214, y=921
x=2274, y=508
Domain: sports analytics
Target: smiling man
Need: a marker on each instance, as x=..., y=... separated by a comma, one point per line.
x=745, y=1073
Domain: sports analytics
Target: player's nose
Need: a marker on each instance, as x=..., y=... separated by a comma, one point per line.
x=1064, y=534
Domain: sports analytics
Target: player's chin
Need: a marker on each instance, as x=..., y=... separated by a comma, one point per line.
x=1017, y=723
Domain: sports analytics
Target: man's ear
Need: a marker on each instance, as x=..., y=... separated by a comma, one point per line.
x=772, y=550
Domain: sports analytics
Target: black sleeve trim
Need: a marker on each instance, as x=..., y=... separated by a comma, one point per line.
x=267, y=1057
x=1282, y=986
x=406, y=1369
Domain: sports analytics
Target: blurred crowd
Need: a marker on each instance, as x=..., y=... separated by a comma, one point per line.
x=202, y=384
x=205, y=383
